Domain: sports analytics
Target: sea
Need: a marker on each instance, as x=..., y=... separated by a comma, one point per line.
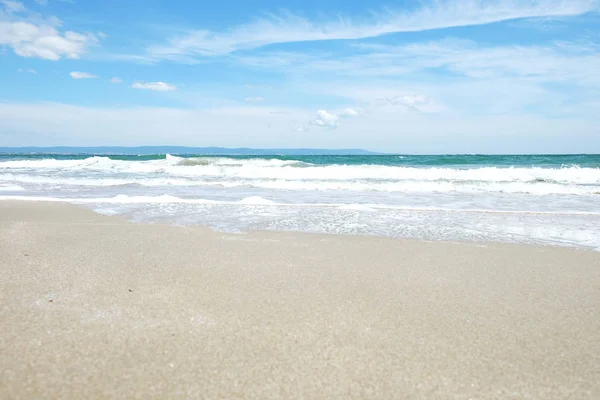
x=551, y=200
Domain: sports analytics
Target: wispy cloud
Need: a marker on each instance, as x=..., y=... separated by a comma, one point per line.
x=556, y=61
x=156, y=86
x=35, y=37
x=259, y=87
x=45, y=2
x=254, y=99
x=82, y=75
x=409, y=101
x=28, y=70
x=289, y=28
x=564, y=62
x=115, y=80
x=11, y=6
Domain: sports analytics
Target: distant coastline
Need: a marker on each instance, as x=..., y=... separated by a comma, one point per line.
x=150, y=150
x=241, y=151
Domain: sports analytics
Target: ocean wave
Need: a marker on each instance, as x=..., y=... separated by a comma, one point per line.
x=102, y=163
x=233, y=162
x=275, y=169
x=294, y=175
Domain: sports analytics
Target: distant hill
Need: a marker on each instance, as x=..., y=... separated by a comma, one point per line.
x=147, y=150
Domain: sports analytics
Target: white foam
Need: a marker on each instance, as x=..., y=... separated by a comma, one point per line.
x=535, y=188
x=357, y=207
x=259, y=201
x=125, y=199
x=51, y=163
x=256, y=200
x=566, y=228
x=232, y=162
x=292, y=170
x=11, y=188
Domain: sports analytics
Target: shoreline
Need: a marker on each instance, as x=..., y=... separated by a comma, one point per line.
x=98, y=307
x=83, y=206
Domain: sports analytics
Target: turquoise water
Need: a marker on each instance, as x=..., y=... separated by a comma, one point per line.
x=544, y=161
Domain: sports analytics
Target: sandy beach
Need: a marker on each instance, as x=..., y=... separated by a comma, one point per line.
x=96, y=307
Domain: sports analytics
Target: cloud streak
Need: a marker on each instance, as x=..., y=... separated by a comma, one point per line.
x=82, y=75
x=12, y=6
x=155, y=86
x=290, y=28
x=563, y=62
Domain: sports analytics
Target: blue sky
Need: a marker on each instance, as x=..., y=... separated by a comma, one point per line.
x=431, y=76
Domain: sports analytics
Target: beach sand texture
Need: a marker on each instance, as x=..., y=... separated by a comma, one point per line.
x=96, y=307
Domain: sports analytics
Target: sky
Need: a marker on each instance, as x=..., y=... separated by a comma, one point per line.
x=427, y=76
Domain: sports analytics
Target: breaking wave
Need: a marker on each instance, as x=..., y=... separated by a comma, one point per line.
x=279, y=174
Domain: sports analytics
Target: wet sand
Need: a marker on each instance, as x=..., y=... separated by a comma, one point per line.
x=96, y=307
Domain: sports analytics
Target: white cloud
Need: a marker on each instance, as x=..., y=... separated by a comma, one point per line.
x=288, y=28
x=115, y=80
x=28, y=70
x=35, y=37
x=82, y=75
x=157, y=86
x=331, y=119
x=254, y=99
x=326, y=119
x=350, y=112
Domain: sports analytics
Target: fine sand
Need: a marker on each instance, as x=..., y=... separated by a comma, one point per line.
x=94, y=307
